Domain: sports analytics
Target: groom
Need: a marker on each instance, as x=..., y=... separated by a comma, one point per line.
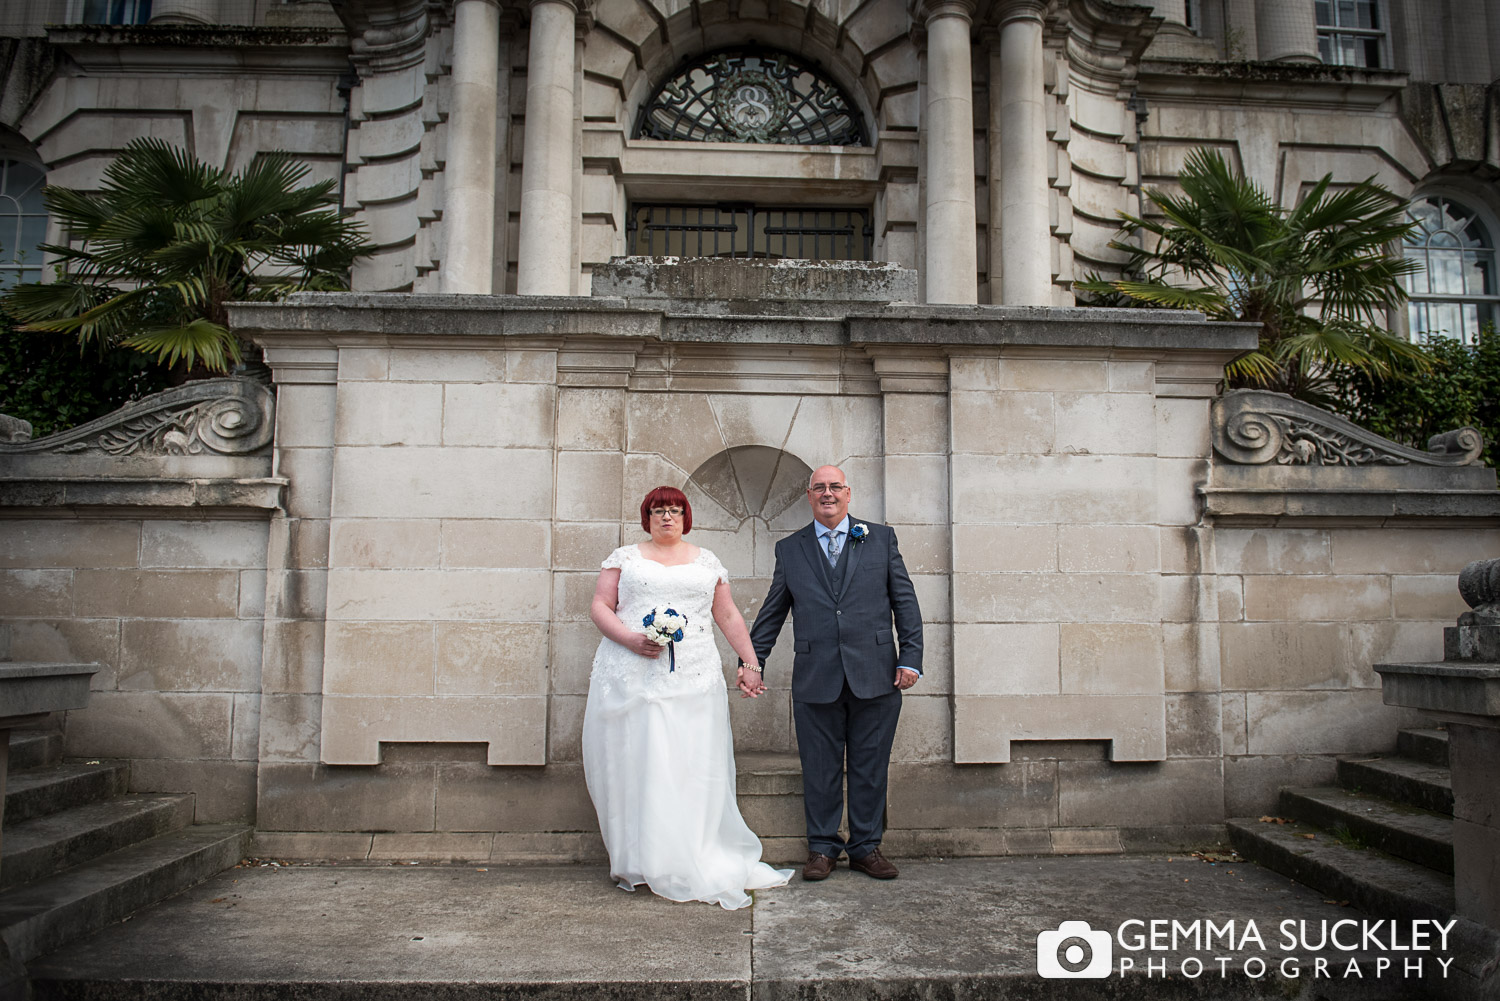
x=844, y=583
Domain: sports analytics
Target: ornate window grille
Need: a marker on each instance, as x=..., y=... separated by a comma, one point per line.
x=1455, y=294
x=751, y=97
x=1350, y=32
x=803, y=233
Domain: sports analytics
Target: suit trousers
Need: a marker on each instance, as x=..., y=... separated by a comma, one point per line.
x=862, y=729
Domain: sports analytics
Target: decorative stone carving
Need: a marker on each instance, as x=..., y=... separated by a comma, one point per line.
x=216, y=416
x=1253, y=427
x=1479, y=585
x=13, y=429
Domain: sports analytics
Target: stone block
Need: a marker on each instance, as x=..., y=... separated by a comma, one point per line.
x=1253, y=783
x=1472, y=753
x=1195, y=725
x=475, y=544
x=498, y=414
x=1047, y=375
x=512, y=595
x=1067, y=489
x=310, y=474
x=384, y=542
x=150, y=725
x=925, y=731
x=933, y=597
x=293, y=657
x=68, y=641
x=937, y=659
x=753, y=420
x=1427, y=597
x=1410, y=550
x=1334, y=722
x=1335, y=598
x=1285, y=655
x=1144, y=794
x=565, y=727
x=916, y=423
x=305, y=415
x=474, y=797
x=917, y=493
x=1180, y=598
x=587, y=487
x=354, y=726
x=444, y=482
x=1042, y=597
x=252, y=594
x=429, y=364
x=1003, y=422
x=379, y=658
x=190, y=655
x=223, y=791
x=432, y=846
x=1304, y=551
x=389, y=413
x=531, y=365
x=681, y=427
x=157, y=593
x=925, y=548
x=1371, y=643
x=1230, y=595
x=582, y=545
x=491, y=658
x=1110, y=658
x=839, y=430
x=398, y=796
x=244, y=728
x=763, y=723
x=320, y=846
x=1180, y=549
x=554, y=847
x=1234, y=724
x=1177, y=491
x=1476, y=855
x=1085, y=841
x=207, y=544
x=35, y=543
x=38, y=593
x=925, y=796
x=297, y=594
x=985, y=725
x=573, y=595
x=1006, y=659
x=573, y=647
x=1005, y=548
x=359, y=364
x=289, y=727
x=591, y=419
x=1108, y=549
x=1106, y=423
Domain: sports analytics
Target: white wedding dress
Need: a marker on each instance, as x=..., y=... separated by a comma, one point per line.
x=657, y=751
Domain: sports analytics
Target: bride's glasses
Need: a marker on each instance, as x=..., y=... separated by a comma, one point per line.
x=658, y=512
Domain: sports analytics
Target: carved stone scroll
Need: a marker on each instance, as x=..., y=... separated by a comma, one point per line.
x=213, y=416
x=1253, y=427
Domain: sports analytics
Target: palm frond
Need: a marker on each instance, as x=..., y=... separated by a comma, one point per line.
x=190, y=343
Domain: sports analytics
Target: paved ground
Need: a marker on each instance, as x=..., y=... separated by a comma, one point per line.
x=946, y=929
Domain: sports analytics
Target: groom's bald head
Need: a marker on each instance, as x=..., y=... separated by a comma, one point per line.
x=828, y=493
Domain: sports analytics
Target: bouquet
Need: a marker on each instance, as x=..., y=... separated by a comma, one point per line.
x=664, y=626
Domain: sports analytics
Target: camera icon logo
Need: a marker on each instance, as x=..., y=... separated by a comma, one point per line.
x=1073, y=952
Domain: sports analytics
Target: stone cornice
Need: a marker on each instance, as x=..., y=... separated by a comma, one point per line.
x=1300, y=85
x=204, y=49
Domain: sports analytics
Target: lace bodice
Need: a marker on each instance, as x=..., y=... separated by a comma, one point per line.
x=646, y=585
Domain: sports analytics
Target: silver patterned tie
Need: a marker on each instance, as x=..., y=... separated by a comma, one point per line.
x=834, y=545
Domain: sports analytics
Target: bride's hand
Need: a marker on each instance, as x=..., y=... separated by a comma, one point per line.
x=749, y=682
x=643, y=645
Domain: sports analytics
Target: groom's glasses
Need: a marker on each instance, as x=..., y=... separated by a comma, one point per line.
x=660, y=512
x=827, y=488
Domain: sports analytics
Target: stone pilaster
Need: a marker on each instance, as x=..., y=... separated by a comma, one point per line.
x=544, y=263
x=1286, y=31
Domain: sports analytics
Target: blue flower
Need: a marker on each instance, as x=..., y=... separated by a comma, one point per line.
x=677, y=636
x=858, y=532
x=671, y=611
x=649, y=619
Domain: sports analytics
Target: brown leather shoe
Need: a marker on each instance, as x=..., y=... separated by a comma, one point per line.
x=875, y=864
x=818, y=867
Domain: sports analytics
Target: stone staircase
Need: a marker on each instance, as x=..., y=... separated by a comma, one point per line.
x=78, y=852
x=1382, y=839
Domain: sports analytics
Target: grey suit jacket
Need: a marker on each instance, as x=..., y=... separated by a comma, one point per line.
x=846, y=635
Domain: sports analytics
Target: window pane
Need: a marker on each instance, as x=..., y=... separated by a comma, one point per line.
x=1370, y=54
x=1445, y=269
x=1324, y=12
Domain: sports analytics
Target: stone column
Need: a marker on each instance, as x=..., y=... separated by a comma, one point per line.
x=1025, y=232
x=469, y=184
x=948, y=120
x=544, y=259
x=1286, y=31
x=182, y=12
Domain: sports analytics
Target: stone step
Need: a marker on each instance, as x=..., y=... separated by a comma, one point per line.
x=37, y=792
x=1416, y=835
x=46, y=914
x=44, y=845
x=34, y=748
x=1368, y=879
x=1414, y=783
x=1430, y=746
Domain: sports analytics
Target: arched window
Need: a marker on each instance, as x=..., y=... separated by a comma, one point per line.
x=1454, y=295
x=23, y=221
x=751, y=97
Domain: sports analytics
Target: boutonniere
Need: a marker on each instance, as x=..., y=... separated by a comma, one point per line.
x=858, y=532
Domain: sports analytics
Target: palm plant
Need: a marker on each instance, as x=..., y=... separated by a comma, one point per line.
x=1317, y=277
x=155, y=254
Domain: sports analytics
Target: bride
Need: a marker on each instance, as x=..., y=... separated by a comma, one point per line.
x=657, y=752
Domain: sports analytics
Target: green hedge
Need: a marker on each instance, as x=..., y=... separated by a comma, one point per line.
x=1464, y=390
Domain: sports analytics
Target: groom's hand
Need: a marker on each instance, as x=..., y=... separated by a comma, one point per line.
x=905, y=678
x=749, y=681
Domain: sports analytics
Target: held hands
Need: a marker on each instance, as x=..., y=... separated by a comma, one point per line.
x=905, y=678
x=645, y=646
x=749, y=681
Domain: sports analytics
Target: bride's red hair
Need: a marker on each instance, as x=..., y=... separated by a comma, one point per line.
x=667, y=497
